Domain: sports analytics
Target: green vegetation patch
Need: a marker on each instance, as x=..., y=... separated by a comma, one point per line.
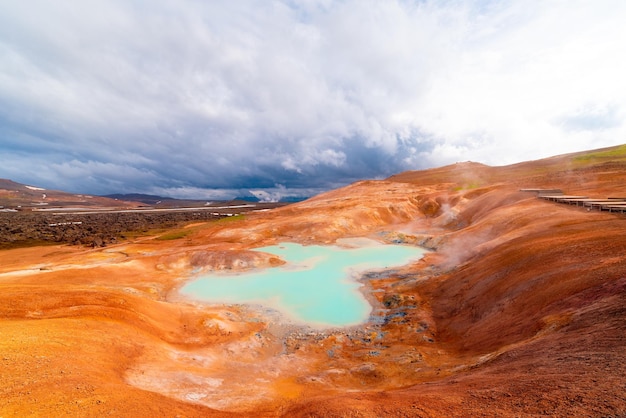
x=614, y=153
x=239, y=217
x=178, y=234
x=470, y=186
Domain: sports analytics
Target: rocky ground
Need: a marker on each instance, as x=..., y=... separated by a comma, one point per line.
x=517, y=310
x=101, y=228
x=98, y=229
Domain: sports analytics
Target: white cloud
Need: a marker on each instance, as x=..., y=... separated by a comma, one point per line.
x=274, y=195
x=236, y=95
x=547, y=61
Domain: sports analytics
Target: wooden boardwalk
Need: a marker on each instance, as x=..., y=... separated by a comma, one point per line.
x=609, y=204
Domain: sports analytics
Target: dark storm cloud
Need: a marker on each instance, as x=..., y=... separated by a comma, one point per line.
x=218, y=98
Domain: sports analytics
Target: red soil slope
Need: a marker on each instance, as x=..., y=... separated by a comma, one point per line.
x=518, y=311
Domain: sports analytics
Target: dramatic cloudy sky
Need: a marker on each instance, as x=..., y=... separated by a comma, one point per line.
x=214, y=98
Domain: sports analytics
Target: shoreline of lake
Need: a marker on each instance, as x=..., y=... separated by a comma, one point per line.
x=352, y=303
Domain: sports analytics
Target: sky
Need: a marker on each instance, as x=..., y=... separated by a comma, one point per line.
x=215, y=99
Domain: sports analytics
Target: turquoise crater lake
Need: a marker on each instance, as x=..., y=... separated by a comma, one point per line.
x=317, y=286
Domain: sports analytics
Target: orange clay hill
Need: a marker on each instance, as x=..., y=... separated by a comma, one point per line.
x=519, y=309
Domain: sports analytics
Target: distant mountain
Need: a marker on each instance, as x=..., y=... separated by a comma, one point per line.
x=149, y=199
x=247, y=199
x=170, y=202
x=293, y=199
x=17, y=195
x=138, y=197
x=161, y=201
x=284, y=199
